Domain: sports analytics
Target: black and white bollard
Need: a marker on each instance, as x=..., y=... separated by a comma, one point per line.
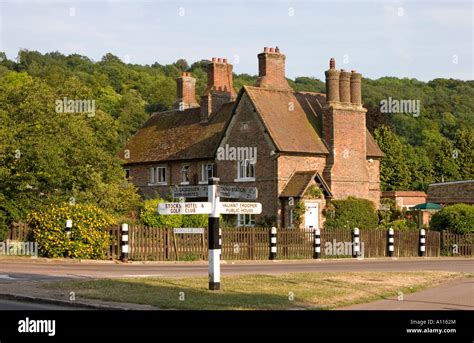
x=68, y=228
x=273, y=243
x=422, y=242
x=391, y=241
x=317, y=244
x=355, y=243
x=124, y=238
x=220, y=241
x=213, y=236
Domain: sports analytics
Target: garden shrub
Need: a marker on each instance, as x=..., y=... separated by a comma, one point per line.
x=89, y=237
x=350, y=213
x=457, y=218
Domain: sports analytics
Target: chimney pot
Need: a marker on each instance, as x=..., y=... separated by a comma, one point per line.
x=214, y=59
x=332, y=63
x=219, y=60
x=272, y=50
x=225, y=60
x=265, y=49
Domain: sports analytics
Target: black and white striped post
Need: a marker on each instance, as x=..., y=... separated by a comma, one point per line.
x=220, y=241
x=422, y=242
x=124, y=239
x=273, y=243
x=68, y=228
x=391, y=241
x=317, y=244
x=213, y=236
x=355, y=243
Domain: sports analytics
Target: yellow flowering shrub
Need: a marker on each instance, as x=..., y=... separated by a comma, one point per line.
x=89, y=237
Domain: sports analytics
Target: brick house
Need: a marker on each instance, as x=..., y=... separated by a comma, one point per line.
x=306, y=146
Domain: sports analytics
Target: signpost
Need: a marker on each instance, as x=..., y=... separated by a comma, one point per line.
x=190, y=230
x=189, y=192
x=184, y=208
x=249, y=193
x=214, y=208
x=241, y=208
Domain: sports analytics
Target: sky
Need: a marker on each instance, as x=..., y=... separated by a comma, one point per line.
x=415, y=39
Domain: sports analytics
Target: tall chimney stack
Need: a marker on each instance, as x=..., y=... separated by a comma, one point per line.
x=220, y=88
x=356, y=92
x=271, y=69
x=332, y=82
x=344, y=87
x=186, y=92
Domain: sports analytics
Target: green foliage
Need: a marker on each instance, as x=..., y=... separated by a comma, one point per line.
x=351, y=213
x=195, y=220
x=313, y=192
x=402, y=224
x=150, y=217
x=457, y=218
x=89, y=237
x=298, y=213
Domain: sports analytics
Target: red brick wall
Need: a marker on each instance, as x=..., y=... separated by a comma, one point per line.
x=246, y=130
x=344, y=131
x=139, y=176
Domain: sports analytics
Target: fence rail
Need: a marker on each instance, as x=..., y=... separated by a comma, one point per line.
x=254, y=243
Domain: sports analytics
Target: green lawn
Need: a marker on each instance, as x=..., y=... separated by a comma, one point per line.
x=288, y=291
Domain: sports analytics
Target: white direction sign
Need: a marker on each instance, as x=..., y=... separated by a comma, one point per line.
x=249, y=193
x=192, y=230
x=189, y=192
x=240, y=207
x=184, y=208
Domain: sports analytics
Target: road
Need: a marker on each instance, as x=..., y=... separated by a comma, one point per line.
x=27, y=306
x=24, y=270
x=456, y=295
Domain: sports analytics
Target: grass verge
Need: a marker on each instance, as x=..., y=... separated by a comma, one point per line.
x=250, y=292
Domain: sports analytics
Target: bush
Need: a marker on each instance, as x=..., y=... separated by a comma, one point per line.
x=457, y=218
x=89, y=238
x=195, y=220
x=350, y=213
x=402, y=224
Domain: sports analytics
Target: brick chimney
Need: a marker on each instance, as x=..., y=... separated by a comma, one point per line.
x=220, y=88
x=186, y=92
x=271, y=69
x=344, y=131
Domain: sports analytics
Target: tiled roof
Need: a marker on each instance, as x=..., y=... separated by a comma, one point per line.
x=292, y=119
x=177, y=135
x=290, y=127
x=298, y=184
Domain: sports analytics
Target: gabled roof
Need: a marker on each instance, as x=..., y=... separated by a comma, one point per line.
x=177, y=135
x=301, y=180
x=290, y=127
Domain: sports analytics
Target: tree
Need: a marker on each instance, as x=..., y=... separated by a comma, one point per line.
x=394, y=172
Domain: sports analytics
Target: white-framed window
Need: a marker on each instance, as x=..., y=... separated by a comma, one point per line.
x=185, y=175
x=246, y=220
x=207, y=171
x=157, y=176
x=246, y=170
